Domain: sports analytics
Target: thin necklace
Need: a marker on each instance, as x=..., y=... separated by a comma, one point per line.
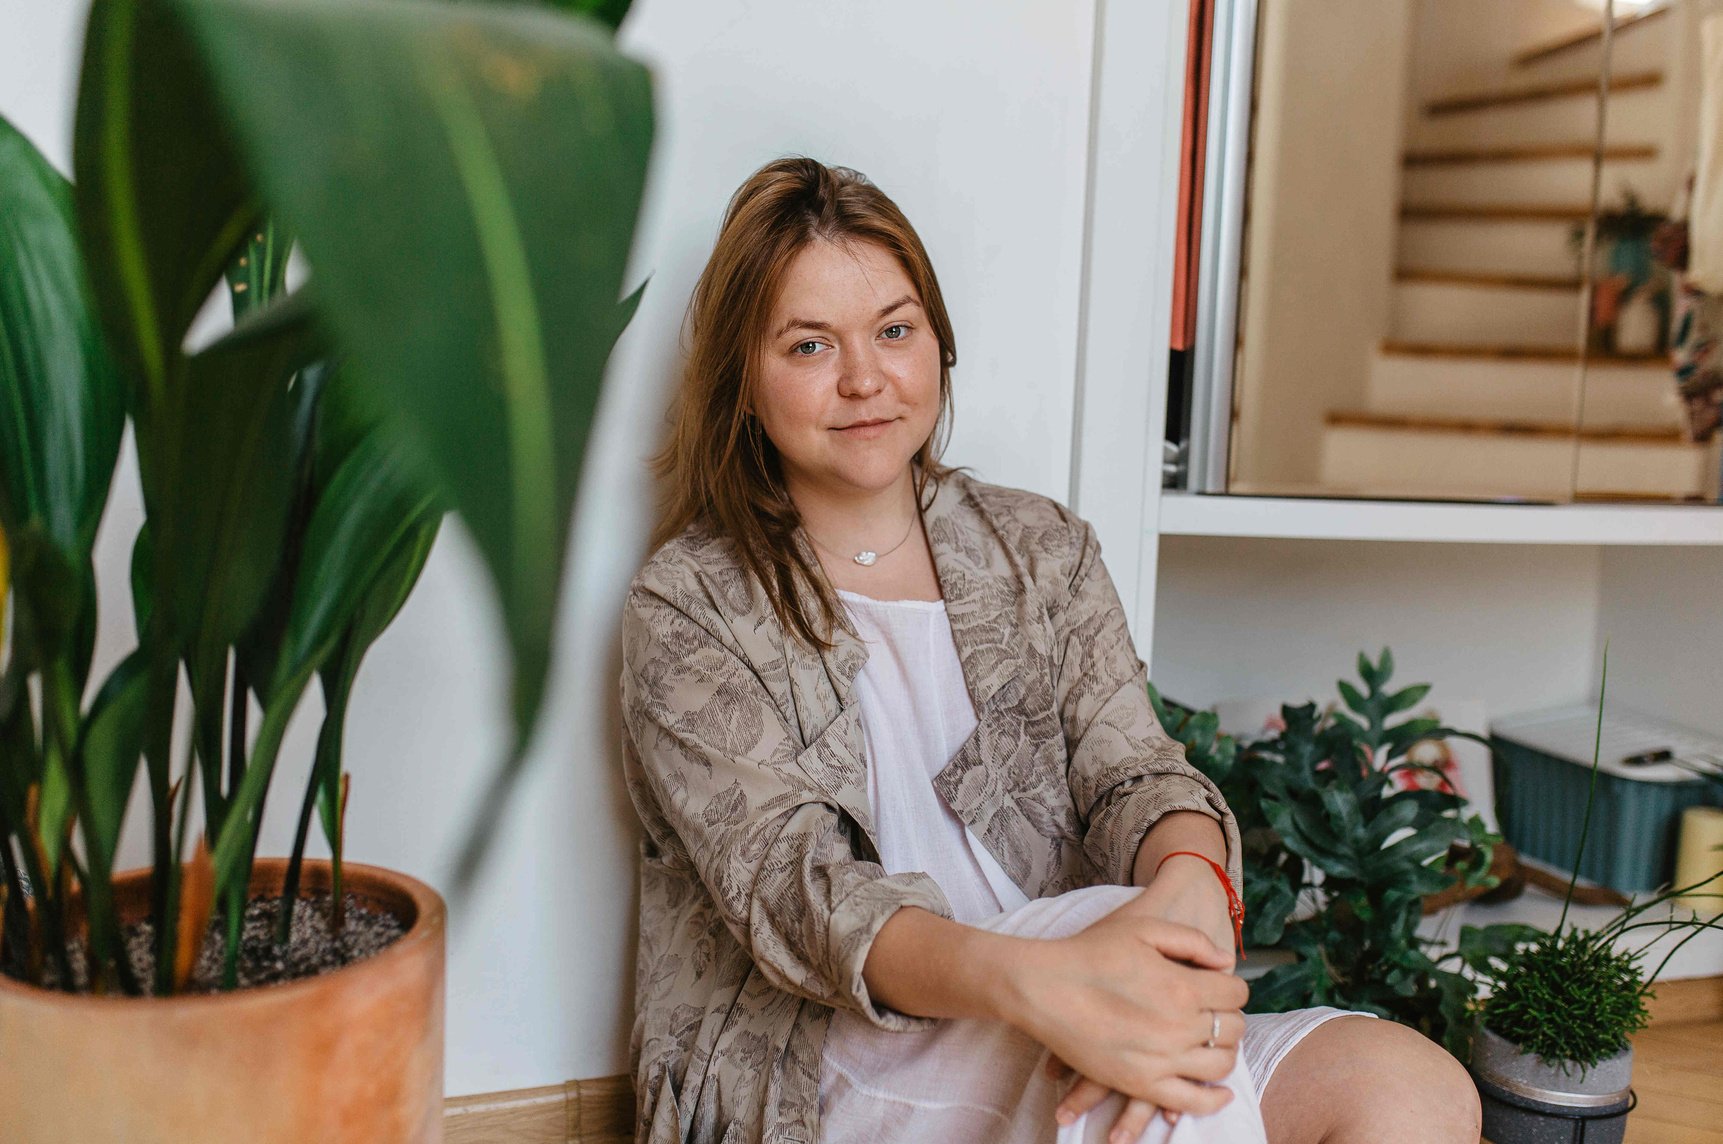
x=867, y=556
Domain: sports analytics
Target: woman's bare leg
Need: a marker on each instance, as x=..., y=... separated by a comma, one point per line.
x=1357, y=1080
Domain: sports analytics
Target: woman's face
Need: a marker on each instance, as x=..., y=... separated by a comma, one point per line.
x=848, y=388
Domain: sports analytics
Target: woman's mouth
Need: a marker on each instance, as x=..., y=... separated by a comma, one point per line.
x=864, y=430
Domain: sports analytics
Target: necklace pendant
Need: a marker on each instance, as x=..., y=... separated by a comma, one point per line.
x=866, y=557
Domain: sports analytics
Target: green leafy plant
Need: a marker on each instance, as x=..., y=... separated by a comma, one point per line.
x=1574, y=996
x=1569, y=996
x=1323, y=817
x=464, y=181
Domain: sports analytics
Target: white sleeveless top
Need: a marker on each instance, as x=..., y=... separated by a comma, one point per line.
x=915, y=714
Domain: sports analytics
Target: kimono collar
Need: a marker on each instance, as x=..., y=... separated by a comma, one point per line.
x=986, y=599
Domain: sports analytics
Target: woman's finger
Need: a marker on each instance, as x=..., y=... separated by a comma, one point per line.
x=1219, y=991
x=1187, y=944
x=1185, y=1096
x=1132, y=1122
x=1084, y=1095
x=1226, y=1025
x=1202, y=1064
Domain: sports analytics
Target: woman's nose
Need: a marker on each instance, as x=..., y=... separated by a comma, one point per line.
x=860, y=375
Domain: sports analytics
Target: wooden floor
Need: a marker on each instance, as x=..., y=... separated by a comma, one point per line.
x=1678, y=1067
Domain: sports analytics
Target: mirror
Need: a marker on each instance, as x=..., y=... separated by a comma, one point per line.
x=1455, y=227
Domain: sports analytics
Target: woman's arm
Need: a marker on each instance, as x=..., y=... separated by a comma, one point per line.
x=1126, y=773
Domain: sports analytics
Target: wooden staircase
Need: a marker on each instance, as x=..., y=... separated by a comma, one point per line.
x=1477, y=390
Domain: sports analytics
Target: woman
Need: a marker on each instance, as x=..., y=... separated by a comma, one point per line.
x=918, y=862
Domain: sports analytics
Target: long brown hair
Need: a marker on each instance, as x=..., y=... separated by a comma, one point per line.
x=720, y=467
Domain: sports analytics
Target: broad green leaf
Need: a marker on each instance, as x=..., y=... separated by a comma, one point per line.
x=518, y=137
x=1407, y=699
x=62, y=408
x=1353, y=699
x=610, y=13
x=378, y=609
x=162, y=201
x=222, y=520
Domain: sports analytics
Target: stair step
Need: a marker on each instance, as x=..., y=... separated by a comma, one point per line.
x=1482, y=279
x=1497, y=212
x=1504, y=352
x=1564, y=44
x=1494, y=427
x=1523, y=391
x=1529, y=153
x=1539, y=93
x=1441, y=313
x=1636, y=114
x=1542, y=249
x=1405, y=457
x=1552, y=178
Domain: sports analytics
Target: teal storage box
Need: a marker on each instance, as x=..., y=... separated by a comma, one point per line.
x=1649, y=771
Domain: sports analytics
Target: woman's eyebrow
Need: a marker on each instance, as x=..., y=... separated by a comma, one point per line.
x=813, y=324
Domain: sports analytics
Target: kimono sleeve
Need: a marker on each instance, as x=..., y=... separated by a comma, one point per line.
x=1125, y=770
x=713, y=761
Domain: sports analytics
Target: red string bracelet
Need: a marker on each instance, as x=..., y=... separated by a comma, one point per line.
x=1234, y=907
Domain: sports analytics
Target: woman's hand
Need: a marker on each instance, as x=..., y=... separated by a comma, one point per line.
x=1129, y=1003
x=1184, y=891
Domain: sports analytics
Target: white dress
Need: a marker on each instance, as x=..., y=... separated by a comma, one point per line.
x=971, y=1080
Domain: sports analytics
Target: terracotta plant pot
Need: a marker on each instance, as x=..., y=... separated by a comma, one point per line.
x=355, y=1055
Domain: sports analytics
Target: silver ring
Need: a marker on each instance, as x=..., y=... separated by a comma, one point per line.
x=1213, y=1029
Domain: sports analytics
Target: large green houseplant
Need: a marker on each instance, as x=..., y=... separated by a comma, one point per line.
x=1323, y=819
x=464, y=181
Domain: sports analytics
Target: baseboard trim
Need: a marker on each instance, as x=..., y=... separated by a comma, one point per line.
x=598, y=1110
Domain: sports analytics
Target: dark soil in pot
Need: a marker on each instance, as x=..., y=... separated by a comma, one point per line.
x=312, y=947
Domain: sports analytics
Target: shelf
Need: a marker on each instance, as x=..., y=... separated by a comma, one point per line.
x=1315, y=518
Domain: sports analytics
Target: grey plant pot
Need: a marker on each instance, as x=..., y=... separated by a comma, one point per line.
x=1529, y=1101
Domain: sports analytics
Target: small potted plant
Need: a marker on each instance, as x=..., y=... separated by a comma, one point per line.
x=1552, y=1055
x=1631, y=292
x=464, y=182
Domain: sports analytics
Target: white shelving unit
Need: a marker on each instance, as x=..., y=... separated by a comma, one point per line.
x=1316, y=518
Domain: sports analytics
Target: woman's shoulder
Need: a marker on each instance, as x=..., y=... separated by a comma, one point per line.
x=698, y=571
x=1048, y=535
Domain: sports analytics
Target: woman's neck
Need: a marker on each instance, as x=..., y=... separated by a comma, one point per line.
x=853, y=520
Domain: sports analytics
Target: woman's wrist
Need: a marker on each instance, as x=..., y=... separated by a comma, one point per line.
x=1180, y=830
x=927, y=965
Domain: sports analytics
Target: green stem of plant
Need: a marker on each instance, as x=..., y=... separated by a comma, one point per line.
x=328, y=756
x=237, y=843
x=1698, y=927
x=1591, y=795
x=158, y=746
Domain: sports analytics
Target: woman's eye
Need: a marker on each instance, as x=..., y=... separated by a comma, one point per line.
x=804, y=351
x=896, y=326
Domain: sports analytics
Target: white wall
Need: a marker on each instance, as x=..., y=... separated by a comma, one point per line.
x=974, y=116
x=1662, y=613
x=1511, y=625
x=1323, y=217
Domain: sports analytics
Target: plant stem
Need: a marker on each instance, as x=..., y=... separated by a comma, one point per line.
x=1591, y=795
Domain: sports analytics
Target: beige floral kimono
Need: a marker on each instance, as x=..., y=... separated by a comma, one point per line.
x=760, y=883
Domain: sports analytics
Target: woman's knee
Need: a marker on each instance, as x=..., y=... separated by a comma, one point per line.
x=1356, y=1079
